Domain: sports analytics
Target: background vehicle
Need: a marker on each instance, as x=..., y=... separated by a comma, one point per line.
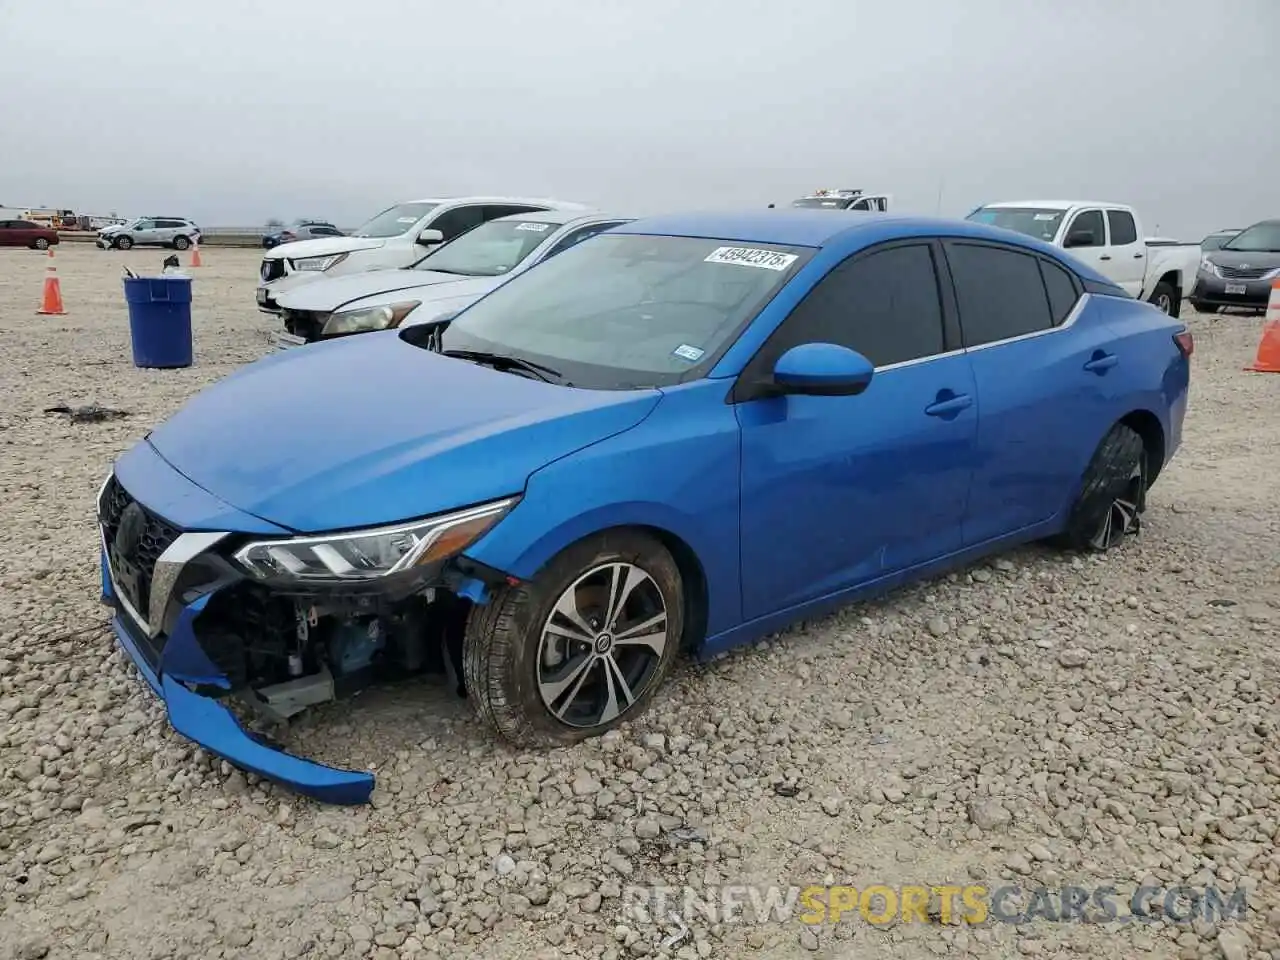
x=397, y=237
x=446, y=280
x=301, y=230
x=681, y=434
x=1216, y=239
x=1106, y=236
x=24, y=233
x=176, y=232
x=1240, y=272
x=844, y=200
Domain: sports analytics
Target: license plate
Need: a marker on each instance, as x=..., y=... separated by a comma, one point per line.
x=286, y=340
x=1237, y=288
x=262, y=296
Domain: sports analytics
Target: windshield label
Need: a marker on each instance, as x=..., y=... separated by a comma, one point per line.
x=1046, y=216
x=535, y=227
x=686, y=352
x=406, y=219
x=750, y=257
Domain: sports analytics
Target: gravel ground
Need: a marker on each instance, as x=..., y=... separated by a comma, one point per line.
x=1041, y=719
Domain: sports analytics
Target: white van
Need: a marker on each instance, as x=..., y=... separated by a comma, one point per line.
x=397, y=237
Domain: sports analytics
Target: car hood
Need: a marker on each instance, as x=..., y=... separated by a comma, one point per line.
x=1244, y=259
x=323, y=247
x=338, y=292
x=303, y=440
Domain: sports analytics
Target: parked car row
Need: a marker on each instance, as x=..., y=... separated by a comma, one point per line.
x=636, y=439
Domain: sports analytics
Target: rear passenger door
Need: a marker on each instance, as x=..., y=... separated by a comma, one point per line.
x=841, y=491
x=1128, y=252
x=1040, y=385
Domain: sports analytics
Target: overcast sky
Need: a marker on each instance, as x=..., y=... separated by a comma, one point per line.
x=232, y=112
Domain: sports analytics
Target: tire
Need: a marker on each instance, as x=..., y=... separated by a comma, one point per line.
x=41, y=243
x=123, y=243
x=1200, y=307
x=1165, y=297
x=511, y=658
x=1113, y=494
x=181, y=243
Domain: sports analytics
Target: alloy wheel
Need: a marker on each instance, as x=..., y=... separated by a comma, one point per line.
x=601, y=645
x=1165, y=303
x=1123, y=516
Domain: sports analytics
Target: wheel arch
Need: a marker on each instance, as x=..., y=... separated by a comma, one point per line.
x=1148, y=426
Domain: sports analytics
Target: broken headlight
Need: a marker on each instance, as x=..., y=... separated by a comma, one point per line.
x=372, y=553
x=368, y=319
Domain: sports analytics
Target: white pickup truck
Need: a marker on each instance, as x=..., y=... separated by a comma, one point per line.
x=1109, y=238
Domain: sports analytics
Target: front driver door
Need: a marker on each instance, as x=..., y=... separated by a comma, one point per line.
x=839, y=491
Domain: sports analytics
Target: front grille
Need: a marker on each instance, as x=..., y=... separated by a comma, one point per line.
x=304, y=323
x=157, y=534
x=1242, y=273
x=272, y=269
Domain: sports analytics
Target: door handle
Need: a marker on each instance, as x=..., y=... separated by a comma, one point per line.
x=1137, y=256
x=1101, y=362
x=949, y=404
x=1105, y=256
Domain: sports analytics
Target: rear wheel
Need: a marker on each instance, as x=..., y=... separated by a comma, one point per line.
x=42, y=243
x=582, y=647
x=181, y=243
x=1165, y=297
x=1113, y=494
x=124, y=243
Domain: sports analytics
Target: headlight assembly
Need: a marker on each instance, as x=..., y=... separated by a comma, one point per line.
x=1207, y=266
x=314, y=264
x=373, y=553
x=368, y=318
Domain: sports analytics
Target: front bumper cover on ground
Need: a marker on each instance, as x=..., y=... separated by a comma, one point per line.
x=203, y=720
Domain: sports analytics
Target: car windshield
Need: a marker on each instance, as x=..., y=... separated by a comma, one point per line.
x=489, y=250
x=826, y=203
x=1260, y=238
x=395, y=220
x=1042, y=224
x=619, y=311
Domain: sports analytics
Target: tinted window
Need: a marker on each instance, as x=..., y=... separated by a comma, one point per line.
x=999, y=292
x=1061, y=289
x=325, y=232
x=884, y=305
x=495, y=210
x=1123, y=229
x=459, y=220
x=1089, y=222
x=577, y=236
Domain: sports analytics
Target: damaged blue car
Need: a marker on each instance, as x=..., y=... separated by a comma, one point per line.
x=679, y=435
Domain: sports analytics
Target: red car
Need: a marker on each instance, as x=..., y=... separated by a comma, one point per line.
x=24, y=233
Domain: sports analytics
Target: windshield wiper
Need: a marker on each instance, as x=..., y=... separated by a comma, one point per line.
x=502, y=361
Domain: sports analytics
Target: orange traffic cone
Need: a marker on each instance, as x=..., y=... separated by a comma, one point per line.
x=51, y=251
x=195, y=254
x=52, y=305
x=1269, y=346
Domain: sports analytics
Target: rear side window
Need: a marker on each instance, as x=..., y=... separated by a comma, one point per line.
x=1061, y=289
x=999, y=292
x=1123, y=229
x=459, y=220
x=885, y=305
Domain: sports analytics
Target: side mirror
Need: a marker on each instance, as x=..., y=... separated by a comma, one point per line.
x=1079, y=238
x=822, y=370
x=429, y=238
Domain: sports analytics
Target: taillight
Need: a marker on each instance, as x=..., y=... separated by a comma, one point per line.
x=1186, y=343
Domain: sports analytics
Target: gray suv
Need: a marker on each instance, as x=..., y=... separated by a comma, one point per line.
x=176, y=232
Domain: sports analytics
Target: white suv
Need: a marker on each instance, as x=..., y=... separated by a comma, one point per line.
x=397, y=237
x=176, y=232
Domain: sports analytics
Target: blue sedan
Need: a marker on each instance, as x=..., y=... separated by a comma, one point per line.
x=677, y=436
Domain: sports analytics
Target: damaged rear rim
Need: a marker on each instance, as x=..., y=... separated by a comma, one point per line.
x=602, y=645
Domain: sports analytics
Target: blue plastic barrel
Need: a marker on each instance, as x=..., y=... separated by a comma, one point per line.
x=159, y=320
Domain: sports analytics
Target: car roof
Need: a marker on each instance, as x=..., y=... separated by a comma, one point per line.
x=1053, y=204
x=562, y=217
x=540, y=201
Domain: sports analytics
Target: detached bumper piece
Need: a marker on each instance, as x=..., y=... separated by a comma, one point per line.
x=173, y=665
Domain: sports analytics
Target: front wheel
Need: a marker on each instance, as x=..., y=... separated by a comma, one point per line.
x=41, y=243
x=124, y=243
x=181, y=243
x=1113, y=494
x=1165, y=297
x=581, y=647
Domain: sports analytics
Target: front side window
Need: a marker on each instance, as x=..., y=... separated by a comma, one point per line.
x=884, y=304
x=1087, y=230
x=489, y=250
x=1000, y=292
x=395, y=221
x=577, y=236
x=1260, y=238
x=621, y=311
x=1038, y=222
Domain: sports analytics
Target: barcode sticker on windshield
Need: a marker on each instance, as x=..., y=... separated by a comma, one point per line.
x=406, y=219
x=535, y=227
x=751, y=257
x=1046, y=216
x=686, y=352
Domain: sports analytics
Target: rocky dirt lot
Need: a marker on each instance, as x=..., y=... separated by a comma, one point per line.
x=1039, y=720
